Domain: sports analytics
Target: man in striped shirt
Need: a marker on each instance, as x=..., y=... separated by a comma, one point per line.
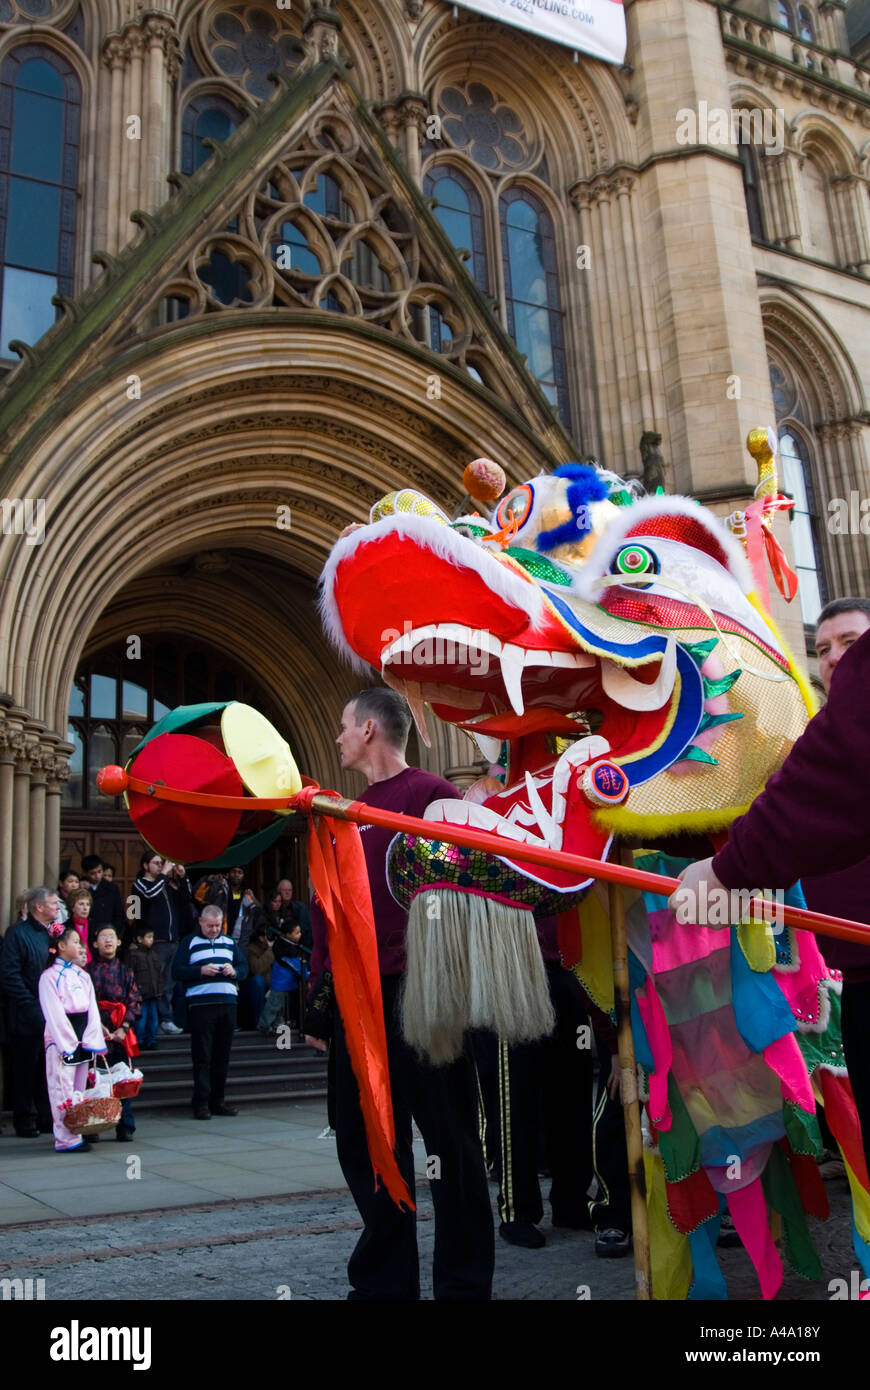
x=210, y=966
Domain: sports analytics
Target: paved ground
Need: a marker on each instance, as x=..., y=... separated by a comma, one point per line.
x=255, y=1208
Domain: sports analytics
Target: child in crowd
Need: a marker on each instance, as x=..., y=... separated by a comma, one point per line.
x=72, y=1028
x=284, y=978
x=144, y=962
x=69, y=883
x=260, y=962
x=79, y=906
x=120, y=1004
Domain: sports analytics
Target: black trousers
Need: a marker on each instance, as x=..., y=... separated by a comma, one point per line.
x=855, y=1020
x=211, y=1040
x=28, y=1086
x=540, y=1097
x=611, y=1207
x=443, y=1101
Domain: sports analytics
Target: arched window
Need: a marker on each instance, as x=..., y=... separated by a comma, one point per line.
x=785, y=18
x=819, y=240
x=460, y=214
x=534, y=318
x=206, y=117
x=40, y=108
x=805, y=24
x=797, y=480
x=212, y=117
x=750, y=191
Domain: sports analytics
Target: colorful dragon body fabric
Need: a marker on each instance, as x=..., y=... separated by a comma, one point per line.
x=621, y=675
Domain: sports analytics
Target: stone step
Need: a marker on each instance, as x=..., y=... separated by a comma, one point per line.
x=234, y=1097
x=259, y=1070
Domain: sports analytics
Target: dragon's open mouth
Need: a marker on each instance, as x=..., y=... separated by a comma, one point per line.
x=530, y=697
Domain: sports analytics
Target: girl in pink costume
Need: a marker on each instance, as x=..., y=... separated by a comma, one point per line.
x=72, y=1029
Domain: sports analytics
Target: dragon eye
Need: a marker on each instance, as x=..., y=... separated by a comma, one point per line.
x=516, y=506
x=635, y=560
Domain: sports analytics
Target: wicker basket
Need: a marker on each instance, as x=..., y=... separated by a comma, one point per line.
x=126, y=1090
x=93, y=1116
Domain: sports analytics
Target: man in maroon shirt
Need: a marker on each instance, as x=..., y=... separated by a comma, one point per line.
x=812, y=822
x=442, y=1100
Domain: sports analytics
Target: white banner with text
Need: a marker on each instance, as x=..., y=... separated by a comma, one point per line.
x=592, y=26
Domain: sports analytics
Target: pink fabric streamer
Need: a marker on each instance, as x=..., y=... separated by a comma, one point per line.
x=659, y=1038
x=749, y=1213
x=785, y=1058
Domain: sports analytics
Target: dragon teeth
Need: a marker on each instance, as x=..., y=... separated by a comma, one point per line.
x=512, y=659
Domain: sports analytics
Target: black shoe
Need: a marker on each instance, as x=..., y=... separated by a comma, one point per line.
x=31, y=1133
x=123, y=1134
x=83, y=1148
x=94, y=1139
x=224, y=1110
x=728, y=1237
x=202, y=1112
x=522, y=1233
x=612, y=1244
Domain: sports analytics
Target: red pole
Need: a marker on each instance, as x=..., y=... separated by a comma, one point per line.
x=323, y=803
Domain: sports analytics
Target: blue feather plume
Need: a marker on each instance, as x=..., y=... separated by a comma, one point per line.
x=585, y=487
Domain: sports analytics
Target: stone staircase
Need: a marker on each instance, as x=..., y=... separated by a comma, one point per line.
x=259, y=1070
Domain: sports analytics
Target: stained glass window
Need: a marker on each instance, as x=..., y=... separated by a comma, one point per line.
x=40, y=105
x=247, y=42
x=534, y=316
x=460, y=214
x=797, y=481
x=206, y=117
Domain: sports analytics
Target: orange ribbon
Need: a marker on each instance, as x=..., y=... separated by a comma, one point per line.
x=338, y=871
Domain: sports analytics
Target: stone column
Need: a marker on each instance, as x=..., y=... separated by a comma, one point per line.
x=161, y=65
x=7, y=774
x=23, y=751
x=778, y=175
x=413, y=111
x=586, y=198
x=108, y=229
x=852, y=215
x=36, y=834
x=132, y=153
x=57, y=774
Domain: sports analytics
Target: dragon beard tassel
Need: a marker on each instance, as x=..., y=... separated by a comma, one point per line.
x=472, y=962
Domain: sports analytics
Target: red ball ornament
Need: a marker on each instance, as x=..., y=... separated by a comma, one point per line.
x=112, y=780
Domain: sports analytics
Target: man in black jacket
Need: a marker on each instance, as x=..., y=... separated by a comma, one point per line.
x=107, y=907
x=25, y=956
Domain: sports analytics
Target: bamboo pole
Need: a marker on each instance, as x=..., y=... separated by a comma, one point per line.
x=327, y=804
x=628, y=1091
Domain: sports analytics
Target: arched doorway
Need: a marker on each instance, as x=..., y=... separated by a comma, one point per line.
x=211, y=508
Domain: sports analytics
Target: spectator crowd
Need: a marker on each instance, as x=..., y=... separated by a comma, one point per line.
x=83, y=974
